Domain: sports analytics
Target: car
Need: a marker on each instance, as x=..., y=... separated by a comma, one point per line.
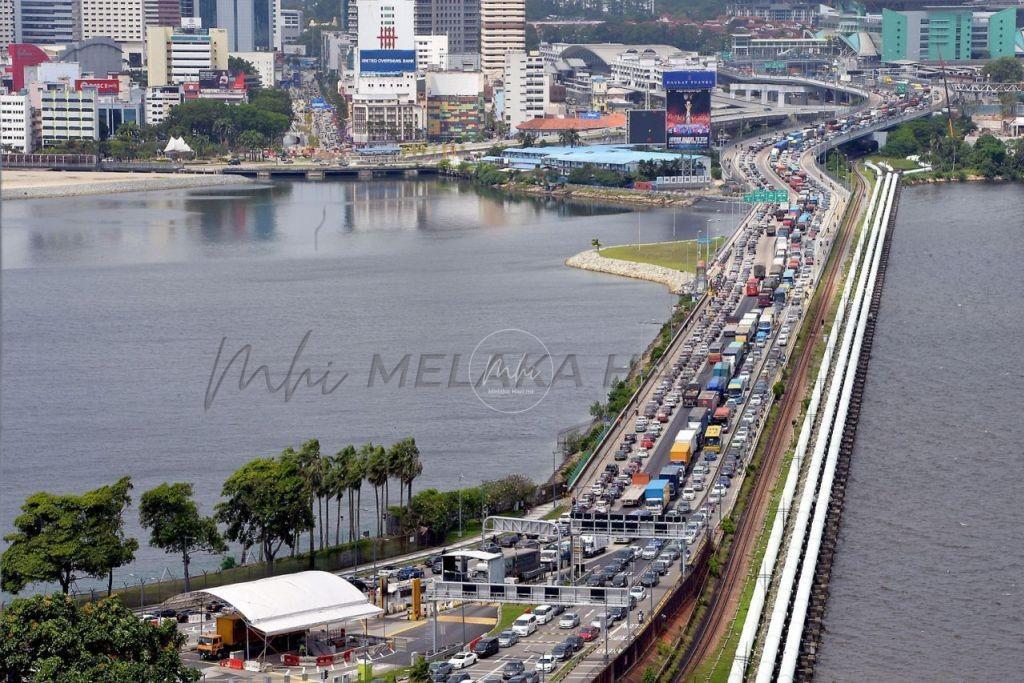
x=524, y=625
x=546, y=663
x=602, y=621
x=589, y=634
x=638, y=593
x=507, y=638
x=649, y=552
x=620, y=580
x=575, y=641
x=543, y=613
x=407, y=573
x=460, y=677
x=461, y=660
x=649, y=579
x=562, y=651
x=660, y=566
x=485, y=647
x=526, y=677
x=512, y=668
x=617, y=613
x=440, y=671
x=569, y=620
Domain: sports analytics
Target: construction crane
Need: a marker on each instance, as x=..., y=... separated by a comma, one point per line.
x=949, y=102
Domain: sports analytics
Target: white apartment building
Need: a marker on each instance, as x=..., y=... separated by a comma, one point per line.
x=7, y=35
x=265, y=64
x=431, y=52
x=68, y=114
x=287, y=25
x=526, y=88
x=122, y=20
x=16, y=123
x=645, y=70
x=502, y=30
x=175, y=56
x=160, y=99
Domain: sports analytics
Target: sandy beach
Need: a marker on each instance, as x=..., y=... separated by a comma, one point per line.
x=31, y=184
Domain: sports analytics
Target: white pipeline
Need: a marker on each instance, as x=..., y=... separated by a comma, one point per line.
x=791, y=654
x=748, y=635
x=794, y=552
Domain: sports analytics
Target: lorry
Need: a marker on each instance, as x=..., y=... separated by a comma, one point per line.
x=697, y=420
x=633, y=496
x=759, y=271
x=657, y=496
x=229, y=633
x=708, y=399
x=718, y=385
x=674, y=475
x=593, y=544
x=684, y=446
x=691, y=394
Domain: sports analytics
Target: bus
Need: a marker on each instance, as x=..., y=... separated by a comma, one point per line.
x=753, y=286
x=713, y=439
x=765, y=323
x=788, y=276
x=737, y=387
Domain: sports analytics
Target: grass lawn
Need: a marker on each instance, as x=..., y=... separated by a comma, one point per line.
x=681, y=255
x=556, y=513
x=506, y=615
x=896, y=162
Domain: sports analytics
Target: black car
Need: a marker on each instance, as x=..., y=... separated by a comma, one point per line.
x=621, y=455
x=575, y=642
x=485, y=647
x=620, y=581
x=490, y=547
x=512, y=668
x=562, y=651
x=649, y=579
x=459, y=676
x=617, y=613
x=595, y=581
x=508, y=540
x=526, y=677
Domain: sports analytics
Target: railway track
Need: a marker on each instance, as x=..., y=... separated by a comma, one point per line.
x=725, y=595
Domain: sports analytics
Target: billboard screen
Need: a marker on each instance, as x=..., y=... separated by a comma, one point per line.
x=387, y=61
x=104, y=86
x=689, y=80
x=645, y=127
x=214, y=79
x=688, y=119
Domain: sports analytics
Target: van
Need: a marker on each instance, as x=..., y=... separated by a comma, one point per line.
x=524, y=625
x=689, y=493
x=543, y=613
x=485, y=647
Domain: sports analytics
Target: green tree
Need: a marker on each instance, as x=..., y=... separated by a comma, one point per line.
x=176, y=526
x=1004, y=70
x=377, y=474
x=253, y=142
x=355, y=475
x=223, y=130
x=526, y=139
x=569, y=138
x=404, y=463
x=59, y=538
x=313, y=470
x=53, y=638
x=266, y=502
x=596, y=244
x=337, y=484
x=240, y=65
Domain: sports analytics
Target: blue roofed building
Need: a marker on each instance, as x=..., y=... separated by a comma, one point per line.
x=621, y=158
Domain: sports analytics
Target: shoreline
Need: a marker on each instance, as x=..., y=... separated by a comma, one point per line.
x=676, y=281
x=44, y=184
x=625, y=196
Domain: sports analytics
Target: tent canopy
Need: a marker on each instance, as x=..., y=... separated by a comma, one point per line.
x=296, y=602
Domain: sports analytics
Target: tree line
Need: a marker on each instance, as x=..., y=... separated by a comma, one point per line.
x=989, y=156
x=268, y=504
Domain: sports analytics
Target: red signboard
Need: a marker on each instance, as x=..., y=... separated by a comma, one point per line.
x=104, y=86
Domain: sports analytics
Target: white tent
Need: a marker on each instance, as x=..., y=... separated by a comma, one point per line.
x=295, y=602
x=177, y=146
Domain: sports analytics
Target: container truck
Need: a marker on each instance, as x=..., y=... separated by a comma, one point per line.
x=759, y=271
x=718, y=385
x=593, y=544
x=691, y=394
x=698, y=420
x=684, y=446
x=673, y=474
x=656, y=496
x=633, y=496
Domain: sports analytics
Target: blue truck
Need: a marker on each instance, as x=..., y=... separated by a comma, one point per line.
x=718, y=385
x=657, y=496
x=673, y=474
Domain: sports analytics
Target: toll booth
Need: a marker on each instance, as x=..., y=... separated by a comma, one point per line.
x=473, y=565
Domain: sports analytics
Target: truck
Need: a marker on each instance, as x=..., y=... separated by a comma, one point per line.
x=721, y=369
x=684, y=446
x=657, y=496
x=697, y=420
x=593, y=544
x=229, y=633
x=524, y=564
x=708, y=399
x=633, y=496
x=718, y=384
x=759, y=271
x=691, y=394
x=674, y=475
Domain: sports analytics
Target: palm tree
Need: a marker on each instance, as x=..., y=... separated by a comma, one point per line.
x=526, y=139
x=223, y=129
x=312, y=467
x=596, y=244
x=340, y=467
x=397, y=456
x=412, y=466
x=569, y=138
x=377, y=475
x=354, y=477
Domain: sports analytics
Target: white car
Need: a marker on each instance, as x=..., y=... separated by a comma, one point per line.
x=524, y=625
x=546, y=663
x=460, y=660
x=783, y=339
x=569, y=620
x=543, y=613
x=638, y=593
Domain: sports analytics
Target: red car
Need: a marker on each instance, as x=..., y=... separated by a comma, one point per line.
x=589, y=633
x=647, y=443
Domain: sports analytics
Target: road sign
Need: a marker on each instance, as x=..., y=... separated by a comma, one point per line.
x=527, y=594
x=762, y=196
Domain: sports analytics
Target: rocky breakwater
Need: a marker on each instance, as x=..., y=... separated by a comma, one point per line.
x=678, y=282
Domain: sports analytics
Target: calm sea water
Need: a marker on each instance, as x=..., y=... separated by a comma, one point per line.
x=115, y=308
x=928, y=582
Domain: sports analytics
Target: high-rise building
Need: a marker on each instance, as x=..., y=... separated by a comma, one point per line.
x=249, y=23
x=68, y=114
x=159, y=100
x=122, y=20
x=526, y=88
x=455, y=105
x=948, y=33
x=457, y=19
x=265, y=64
x=502, y=30
x=163, y=13
x=47, y=22
x=287, y=27
x=431, y=52
x=16, y=122
x=7, y=35
x=177, y=55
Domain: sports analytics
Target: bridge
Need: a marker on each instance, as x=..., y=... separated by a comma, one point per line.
x=320, y=172
x=846, y=93
x=979, y=88
x=822, y=147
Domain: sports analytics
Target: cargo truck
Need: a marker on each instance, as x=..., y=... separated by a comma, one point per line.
x=708, y=399
x=229, y=634
x=691, y=394
x=718, y=385
x=657, y=496
x=698, y=420
x=759, y=271
x=673, y=474
x=593, y=544
x=633, y=496
x=684, y=446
